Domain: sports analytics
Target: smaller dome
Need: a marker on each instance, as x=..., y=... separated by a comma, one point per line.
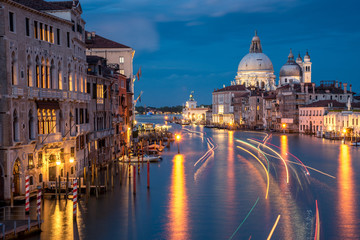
x=299, y=59
x=290, y=70
x=291, y=55
x=307, y=57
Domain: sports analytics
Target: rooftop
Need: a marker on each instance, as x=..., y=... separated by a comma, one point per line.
x=42, y=5
x=231, y=88
x=95, y=41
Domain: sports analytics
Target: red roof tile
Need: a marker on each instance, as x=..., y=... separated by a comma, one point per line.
x=41, y=5
x=101, y=42
x=232, y=88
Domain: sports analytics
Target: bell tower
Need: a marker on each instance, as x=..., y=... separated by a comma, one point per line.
x=307, y=68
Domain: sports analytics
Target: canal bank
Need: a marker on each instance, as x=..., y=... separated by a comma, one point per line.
x=211, y=200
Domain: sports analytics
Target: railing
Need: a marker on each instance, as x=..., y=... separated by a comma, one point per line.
x=17, y=91
x=50, y=138
x=58, y=94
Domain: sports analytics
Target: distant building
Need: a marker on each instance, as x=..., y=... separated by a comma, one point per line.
x=193, y=113
x=312, y=116
x=122, y=57
x=222, y=103
x=296, y=72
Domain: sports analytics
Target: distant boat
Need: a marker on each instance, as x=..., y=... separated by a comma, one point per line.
x=150, y=158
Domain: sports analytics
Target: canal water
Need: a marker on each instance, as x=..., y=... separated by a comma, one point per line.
x=221, y=186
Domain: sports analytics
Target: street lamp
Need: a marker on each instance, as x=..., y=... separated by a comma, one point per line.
x=284, y=126
x=344, y=131
x=178, y=137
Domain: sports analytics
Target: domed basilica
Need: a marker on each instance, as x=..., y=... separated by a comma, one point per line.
x=256, y=69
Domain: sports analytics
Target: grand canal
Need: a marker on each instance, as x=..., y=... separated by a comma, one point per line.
x=221, y=187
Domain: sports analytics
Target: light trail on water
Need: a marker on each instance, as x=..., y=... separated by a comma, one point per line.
x=273, y=229
x=267, y=174
x=286, y=168
x=237, y=229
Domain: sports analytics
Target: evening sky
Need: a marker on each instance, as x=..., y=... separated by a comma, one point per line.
x=196, y=45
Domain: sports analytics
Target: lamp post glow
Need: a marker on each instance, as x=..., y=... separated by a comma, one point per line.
x=71, y=160
x=344, y=131
x=177, y=138
x=284, y=126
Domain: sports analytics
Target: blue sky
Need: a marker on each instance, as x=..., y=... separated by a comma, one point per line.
x=196, y=45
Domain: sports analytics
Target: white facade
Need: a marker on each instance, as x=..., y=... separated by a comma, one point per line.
x=337, y=122
x=295, y=71
x=311, y=120
x=255, y=68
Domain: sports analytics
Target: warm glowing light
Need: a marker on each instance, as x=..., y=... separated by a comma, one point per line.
x=58, y=162
x=273, y=228
x=284, y=125
x=71, y=160
x=129, y=129
x=166, y=117
x=344, y=131
x=178, y=137
x=231, y=123
x=135, y=122
x=178, y=208
x=267, y=174
x=277, y=154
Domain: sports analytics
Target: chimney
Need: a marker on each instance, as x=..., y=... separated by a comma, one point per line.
x=313, y=88
x=350, y=88
x=307, y=89
x=340, y=86
x=88, y=35
x=302, y=87
x=336, y=84
x=345, y=88
x=93, y=34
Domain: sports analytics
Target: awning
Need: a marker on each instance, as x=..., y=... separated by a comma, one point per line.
x=47, y=105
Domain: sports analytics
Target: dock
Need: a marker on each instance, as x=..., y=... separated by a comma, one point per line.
x=14, y=222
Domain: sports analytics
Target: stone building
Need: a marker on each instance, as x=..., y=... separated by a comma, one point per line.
x=298, y=71
x=311, y=116
x=292, y=96
x=44, y=98
x=222, y=105
x=122, y=56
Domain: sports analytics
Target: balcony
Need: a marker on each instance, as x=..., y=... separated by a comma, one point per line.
x=17, y=91
x=56, y=94
x=50, y=138
x=83, y=128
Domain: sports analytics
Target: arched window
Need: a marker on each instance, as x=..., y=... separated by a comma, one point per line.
x=43, y=74
x=40, y=123
x=75, y=79
x=47, y=74
x=37, y=70
x=70, y=80
x=15, y=127
x=31, y=126
x=29, y=72
x=14, y=80
x=52, y=67
x=59, y=75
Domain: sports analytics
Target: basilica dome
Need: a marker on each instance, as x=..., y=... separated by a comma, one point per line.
x=290, y=68
x=255, y=62
x=255, y=68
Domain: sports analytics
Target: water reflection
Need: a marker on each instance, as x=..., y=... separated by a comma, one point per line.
x=347, y=205
x=178, y=209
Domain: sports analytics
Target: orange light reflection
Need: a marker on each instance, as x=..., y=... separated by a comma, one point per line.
x=347, y=204
x=178, y=208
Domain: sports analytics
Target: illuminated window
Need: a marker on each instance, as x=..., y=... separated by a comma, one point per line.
x=122, y=71
x=121, y=59
x=221, y=109
x=100, y=93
